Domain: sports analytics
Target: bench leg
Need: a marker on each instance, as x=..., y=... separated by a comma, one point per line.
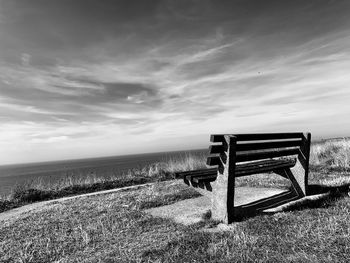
x=224, y=186
x=298, y=178
x=223, y=208
x=300, y=171
x=222, y=200
x=298, y=174
x=296, y=184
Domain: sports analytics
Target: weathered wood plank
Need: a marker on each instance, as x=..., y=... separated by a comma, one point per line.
x=220, y=139
x=268, y=145
x=214, y=149
x=262, y=169
x=263, y=163
x=195, y=172
x=249, y=156
x=253, y=163
x=207, y=178
x=241, y=170
x=268, y=136
x=217, y=138
x=258, y=136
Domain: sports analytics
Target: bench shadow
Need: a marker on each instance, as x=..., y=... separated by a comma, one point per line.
x=319, y=196
x=315, y=189
x=324, y=195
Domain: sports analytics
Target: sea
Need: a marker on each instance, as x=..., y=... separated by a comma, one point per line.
x=17, y=174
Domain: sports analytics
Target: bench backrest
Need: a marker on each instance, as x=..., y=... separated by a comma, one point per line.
x=251, y=147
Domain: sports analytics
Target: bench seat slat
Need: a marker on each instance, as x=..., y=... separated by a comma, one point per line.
x=196, y=172
x=208, y=178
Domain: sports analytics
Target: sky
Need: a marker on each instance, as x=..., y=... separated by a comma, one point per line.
x=82, y=78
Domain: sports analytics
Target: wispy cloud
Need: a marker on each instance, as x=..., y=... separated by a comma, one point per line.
x=154, y=73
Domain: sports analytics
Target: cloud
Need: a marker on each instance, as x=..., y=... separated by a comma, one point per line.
x=102, y=75
x=56, y=139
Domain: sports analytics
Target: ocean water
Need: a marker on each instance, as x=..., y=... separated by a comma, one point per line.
x=10, y=175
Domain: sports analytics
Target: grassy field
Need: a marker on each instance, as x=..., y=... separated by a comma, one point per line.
x=115, y=228
x=40, y=189
x=329, y=155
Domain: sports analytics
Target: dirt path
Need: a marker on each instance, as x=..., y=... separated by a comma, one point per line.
x=13, y=214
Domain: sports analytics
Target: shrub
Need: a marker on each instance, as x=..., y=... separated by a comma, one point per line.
x=32, y=195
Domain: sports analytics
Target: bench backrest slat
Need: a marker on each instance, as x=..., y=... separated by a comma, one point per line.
x=258, y=136
x=251, y=156
x=267, y=145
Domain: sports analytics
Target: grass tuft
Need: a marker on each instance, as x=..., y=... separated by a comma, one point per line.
x=334, y=153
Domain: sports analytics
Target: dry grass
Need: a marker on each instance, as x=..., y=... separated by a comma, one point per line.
x=153, y=171
x=325, y=157
x=332, y=153
x=41, y=188
x=109, y=228
x=186, y=162
x=114, y=228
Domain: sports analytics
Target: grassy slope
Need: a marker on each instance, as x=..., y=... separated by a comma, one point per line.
x=40, y=190
x=114, y=228
x=331, y=154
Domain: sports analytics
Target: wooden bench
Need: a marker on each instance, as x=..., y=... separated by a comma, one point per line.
x=236, y=155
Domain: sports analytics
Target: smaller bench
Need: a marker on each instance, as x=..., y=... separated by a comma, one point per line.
x=237, y=155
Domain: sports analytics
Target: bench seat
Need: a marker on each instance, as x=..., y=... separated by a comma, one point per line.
x=242, y=169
